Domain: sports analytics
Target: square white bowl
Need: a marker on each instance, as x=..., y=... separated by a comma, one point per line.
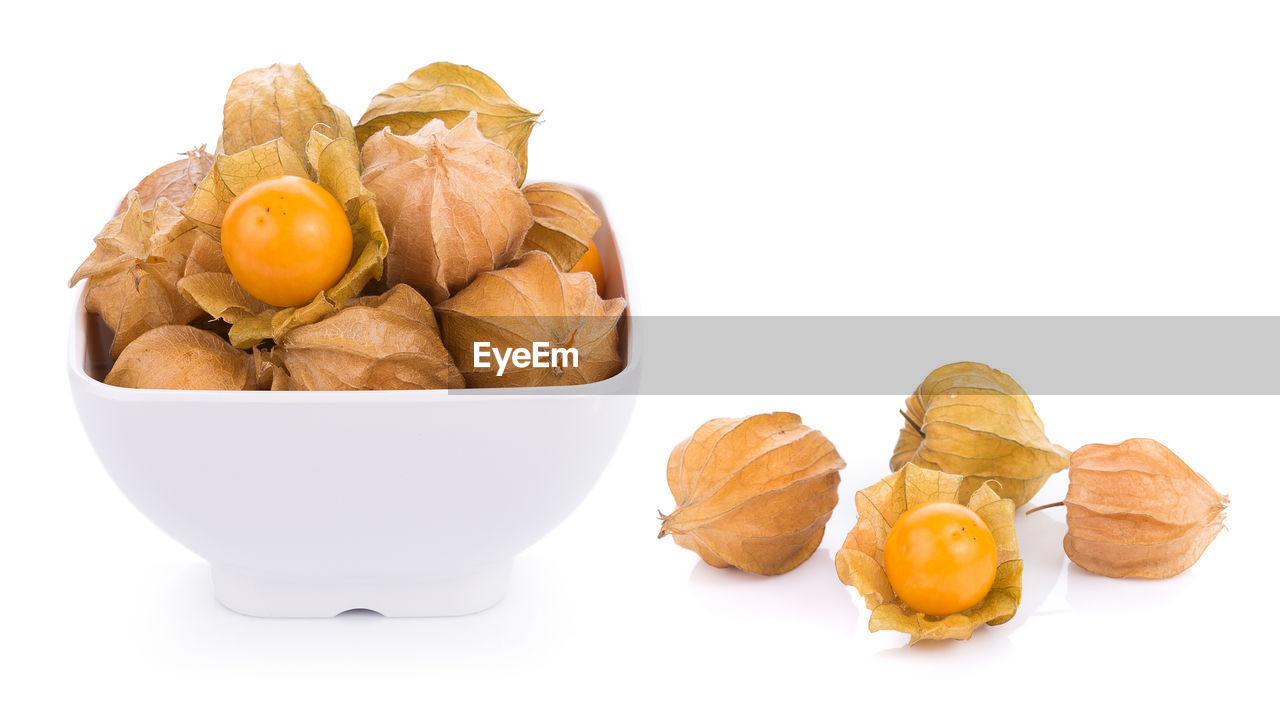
x=308, y=504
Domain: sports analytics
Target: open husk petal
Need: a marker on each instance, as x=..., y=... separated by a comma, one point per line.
x=205, y=256
x=451, y=204
x=531, y=302
x=133, y=271
x=334, y=163
x=234, y=173
x=860, y=561
x=381, y=342
x=563, y=223
x=752, y=493
x=1135, y=509
x=449, y=93
x=972, y=420
x=182, y=357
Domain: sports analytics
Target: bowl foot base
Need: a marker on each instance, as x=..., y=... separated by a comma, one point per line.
x=265, y=594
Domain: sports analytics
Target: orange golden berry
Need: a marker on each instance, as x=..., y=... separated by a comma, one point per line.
x=591, y=263
x=940, y=558
x=286, y=240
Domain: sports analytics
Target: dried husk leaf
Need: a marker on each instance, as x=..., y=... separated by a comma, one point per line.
x=975, y=421
x=182, y=357
x=221, y=296
x=335, y=164
x=235, y=173
x=563, y=223
x=860, y=561
x=331, y=161
x=279, y=101
x=174, y=181
x=450, y=202
x=752, y=493
x=1135, y=509
x=377, y=342
x=205, y=256
x=527, y=302
x=449, y=92
x=284, y=383
x=133, y=271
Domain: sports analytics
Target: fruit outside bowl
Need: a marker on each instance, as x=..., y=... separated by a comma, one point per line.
x=308, y=504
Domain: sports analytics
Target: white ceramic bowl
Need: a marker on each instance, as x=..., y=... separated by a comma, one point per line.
x=308, y=504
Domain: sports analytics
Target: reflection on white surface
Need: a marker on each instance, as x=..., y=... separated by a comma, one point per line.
x=602, y=606
x=809, y=595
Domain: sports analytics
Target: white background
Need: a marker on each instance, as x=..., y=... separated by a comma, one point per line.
x=791, y=158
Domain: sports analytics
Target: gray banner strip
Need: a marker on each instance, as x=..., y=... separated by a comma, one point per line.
x=891, y=355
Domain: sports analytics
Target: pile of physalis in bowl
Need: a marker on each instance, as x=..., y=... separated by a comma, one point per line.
x=310, y=254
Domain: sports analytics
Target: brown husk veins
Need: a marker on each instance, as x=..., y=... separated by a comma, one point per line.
x=563, y=223
x=187, y=358
x=449, y=92
x=174, y=181
x=376, y=342
x=1135, y=509
x=133, y=271
x=450, y=202
x=279, y=101
x=527, y=302
x=972, y=420
x=752, y=493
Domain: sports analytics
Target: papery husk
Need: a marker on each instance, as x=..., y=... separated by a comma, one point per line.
x=205, y=256
x=233, y=174
x=450, y=202
x=972, y=420
x=753, y=493
x=860, y=561
x=183, y=357
x=277, y=102
x=527, y=302
x=334, y=163
x=1135, y=509
x=133, y=271
x=174, y=181
x=377, y=342
x=449, y=92
x=563, y=223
